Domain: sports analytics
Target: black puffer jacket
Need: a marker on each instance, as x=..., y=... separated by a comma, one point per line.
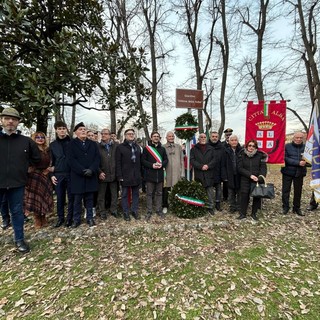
x=151, y=174
x=248, y=166
x=17, y=153
x=293, y=156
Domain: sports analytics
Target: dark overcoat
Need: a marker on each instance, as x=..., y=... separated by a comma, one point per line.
x=108, y=161
x=127, y=171
x=232, y=169
x=248, y=166
x=151, y=174
x=79, y=158
x=198, y=159
x=219, y=170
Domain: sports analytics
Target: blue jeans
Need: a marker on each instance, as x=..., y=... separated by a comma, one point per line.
x=5, y=209
x=135, y=199
x=15, y=200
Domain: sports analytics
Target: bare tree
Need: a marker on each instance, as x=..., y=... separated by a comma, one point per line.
x=306, y=18
x=155, y=14
x=193, y=14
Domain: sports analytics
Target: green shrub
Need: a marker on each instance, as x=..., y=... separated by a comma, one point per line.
x=190, y=189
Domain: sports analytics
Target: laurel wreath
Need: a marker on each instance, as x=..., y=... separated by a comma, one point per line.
x=190, y=123
x=192, y=189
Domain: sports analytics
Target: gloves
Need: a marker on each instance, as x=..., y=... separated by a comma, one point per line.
x=87, y=172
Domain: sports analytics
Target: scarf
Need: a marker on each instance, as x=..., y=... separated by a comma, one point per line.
x=250, y=154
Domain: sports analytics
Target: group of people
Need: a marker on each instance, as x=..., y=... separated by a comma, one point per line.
x=87, y=173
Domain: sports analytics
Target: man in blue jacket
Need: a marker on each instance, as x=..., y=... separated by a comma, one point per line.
x=84, y=160
x=18, y=152
x=61, y=174
x=293, y=172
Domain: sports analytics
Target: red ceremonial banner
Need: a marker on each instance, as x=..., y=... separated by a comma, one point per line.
x=266, y=123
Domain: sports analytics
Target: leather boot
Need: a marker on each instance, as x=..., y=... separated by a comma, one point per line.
x=44, y=221
x=37, y=221
x=218, y=206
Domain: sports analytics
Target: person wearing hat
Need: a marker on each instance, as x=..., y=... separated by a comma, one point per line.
x=83, y=159
x=61, y=174
x=227, y=133
x=18, y=152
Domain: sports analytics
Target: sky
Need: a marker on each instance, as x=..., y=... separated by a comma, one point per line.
x=235, y=117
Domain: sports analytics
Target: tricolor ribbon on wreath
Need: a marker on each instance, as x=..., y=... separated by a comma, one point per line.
x=189, y=200
x=186, y=127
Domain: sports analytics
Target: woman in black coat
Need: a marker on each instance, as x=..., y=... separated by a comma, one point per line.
x=251, y=163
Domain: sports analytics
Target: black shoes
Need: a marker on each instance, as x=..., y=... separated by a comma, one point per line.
x=211, y=212
x=298, y=212
x=312, y=207
x=218, y=206
x=103, y=216
x=242, y=216
x=59, y=223
x=148, y=216
x=126, y=216
x=68, y=224
x=254, y=216
x=91, y=223
x=5, y=224
x=135, y=215
x=285, y=211
x=22, y=246
x=75, y=225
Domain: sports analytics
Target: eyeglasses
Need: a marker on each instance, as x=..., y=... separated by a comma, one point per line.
x=39, y=137
x=251, y=145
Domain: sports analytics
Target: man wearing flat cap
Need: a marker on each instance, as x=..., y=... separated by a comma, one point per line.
x=83, y=159
x=18, y=152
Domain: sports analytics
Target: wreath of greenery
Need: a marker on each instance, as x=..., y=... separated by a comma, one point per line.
x=191, y=189
x=186, y=119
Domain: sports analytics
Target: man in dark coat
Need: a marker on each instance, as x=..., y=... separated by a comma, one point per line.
x=233, y=175
x=128, y=172
x=219, y=170
x=107, y=174
x=17, y=153
x=61, y=174
x=203, y=162
x=293, y=172
x=227, y=133
x=154, y=160
x=84, y=159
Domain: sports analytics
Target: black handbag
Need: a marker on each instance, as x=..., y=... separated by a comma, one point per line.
x=263, y=190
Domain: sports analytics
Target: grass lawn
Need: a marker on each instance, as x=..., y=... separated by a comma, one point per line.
x=209, y=268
